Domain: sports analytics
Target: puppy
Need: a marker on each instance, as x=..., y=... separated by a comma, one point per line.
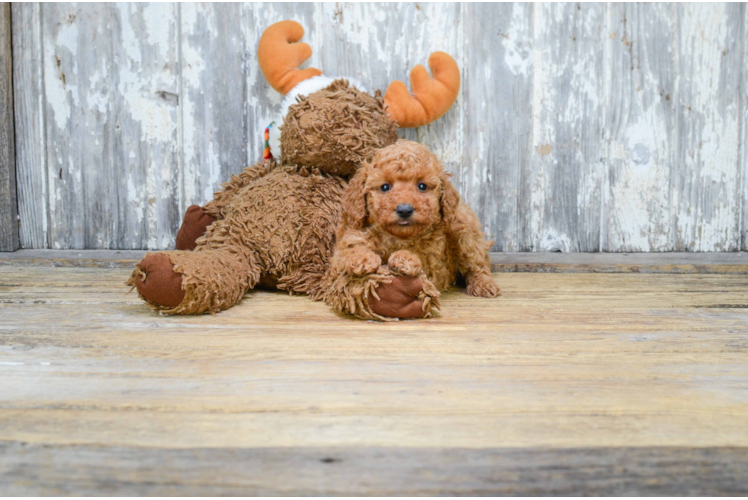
x=401, y=209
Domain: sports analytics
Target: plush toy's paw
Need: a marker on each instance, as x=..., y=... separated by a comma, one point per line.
x=195, y=222
x=399, y=298
x=156, y=281
x=405, y=297
x=482, y=285
x=405, y=263
x=363, y=263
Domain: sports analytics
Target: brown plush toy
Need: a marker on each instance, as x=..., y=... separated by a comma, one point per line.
x=274, y=224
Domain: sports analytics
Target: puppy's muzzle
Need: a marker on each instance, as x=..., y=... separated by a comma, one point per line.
x=405, y=210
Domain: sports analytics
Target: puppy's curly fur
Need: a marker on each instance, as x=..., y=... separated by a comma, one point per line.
x=440, y=240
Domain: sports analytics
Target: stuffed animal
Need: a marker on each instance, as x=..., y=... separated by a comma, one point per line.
x=401, y=209
x=274, y=224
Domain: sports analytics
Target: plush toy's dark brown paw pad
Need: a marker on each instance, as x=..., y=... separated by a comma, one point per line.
x=158, y=282
x=399, y=299
x=195, y=222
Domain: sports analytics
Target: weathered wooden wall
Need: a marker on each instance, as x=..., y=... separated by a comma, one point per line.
x=8, y=203
x=579, y=127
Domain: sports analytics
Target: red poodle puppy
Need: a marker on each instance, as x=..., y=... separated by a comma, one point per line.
x=401, y=209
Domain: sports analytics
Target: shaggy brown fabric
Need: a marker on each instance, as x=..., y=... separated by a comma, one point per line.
x=278, y=227
x=438, y=239
x=335, y=129
x=275, y=224
x=355, y=293
x=194, y=225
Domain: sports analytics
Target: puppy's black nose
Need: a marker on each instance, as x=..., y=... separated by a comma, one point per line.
x=405, y=210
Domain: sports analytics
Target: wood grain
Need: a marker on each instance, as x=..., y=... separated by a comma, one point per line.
x=587, y=127
x=583, y=382
x=543, y=262
x=111, y=127
x=32, y=469
x=567, y=165
x=496, y=176
x=30, y=118
x=707, y=187
x=744, y=140
x=640, y=127
x=8, y=203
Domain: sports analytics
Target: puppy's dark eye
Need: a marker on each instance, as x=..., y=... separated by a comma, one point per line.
x=385, y=188
x=422, y=186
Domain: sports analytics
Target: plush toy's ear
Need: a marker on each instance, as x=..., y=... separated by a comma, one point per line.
x=431, y=98
x=354, y=201
x=280, y=56
x=449, y=201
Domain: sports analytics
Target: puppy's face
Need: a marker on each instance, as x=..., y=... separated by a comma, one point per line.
x=403, y=194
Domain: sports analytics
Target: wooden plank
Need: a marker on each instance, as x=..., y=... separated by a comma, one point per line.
x=72, y=258
x=707, y=195
x=547, y=390
x=496, y=177
x=214, y=90
x=568, y=166
x=68, y=125
x=641, y=127
x=346, y=471
x=654, y=263
x=744, y=142
x=674, y=167
x=650, y=263
x=30, y=118
x=110, y=83
x=8, y=202
x=143, y=128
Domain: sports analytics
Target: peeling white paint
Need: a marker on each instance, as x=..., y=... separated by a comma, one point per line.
x=517, y=56
x=672, y=119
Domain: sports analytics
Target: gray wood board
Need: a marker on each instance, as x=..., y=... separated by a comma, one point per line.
x=8, y=203
x=40, y=469
x=579, y=127
x=706, y=199
x=31, y=144
x=495, y=177
x=664, y=263
x=744, y=143
x=640, y=127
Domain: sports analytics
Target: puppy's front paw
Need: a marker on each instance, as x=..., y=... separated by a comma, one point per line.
x=363, y=263
x=482, y=285
x=405, y=263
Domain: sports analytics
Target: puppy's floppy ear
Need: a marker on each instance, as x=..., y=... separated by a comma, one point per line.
x=449, y=201
x=354, y=201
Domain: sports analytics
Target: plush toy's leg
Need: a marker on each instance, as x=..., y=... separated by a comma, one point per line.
x=206, y=280
x=197, y=218
x=383, y=295
x=195, y=222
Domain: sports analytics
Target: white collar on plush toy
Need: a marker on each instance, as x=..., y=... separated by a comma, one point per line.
x=305, y=87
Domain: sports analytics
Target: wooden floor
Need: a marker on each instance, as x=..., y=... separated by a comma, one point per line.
x=568, y=384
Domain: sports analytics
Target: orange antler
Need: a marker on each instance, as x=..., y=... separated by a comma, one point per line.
x=431, y=97
x=280, y=55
